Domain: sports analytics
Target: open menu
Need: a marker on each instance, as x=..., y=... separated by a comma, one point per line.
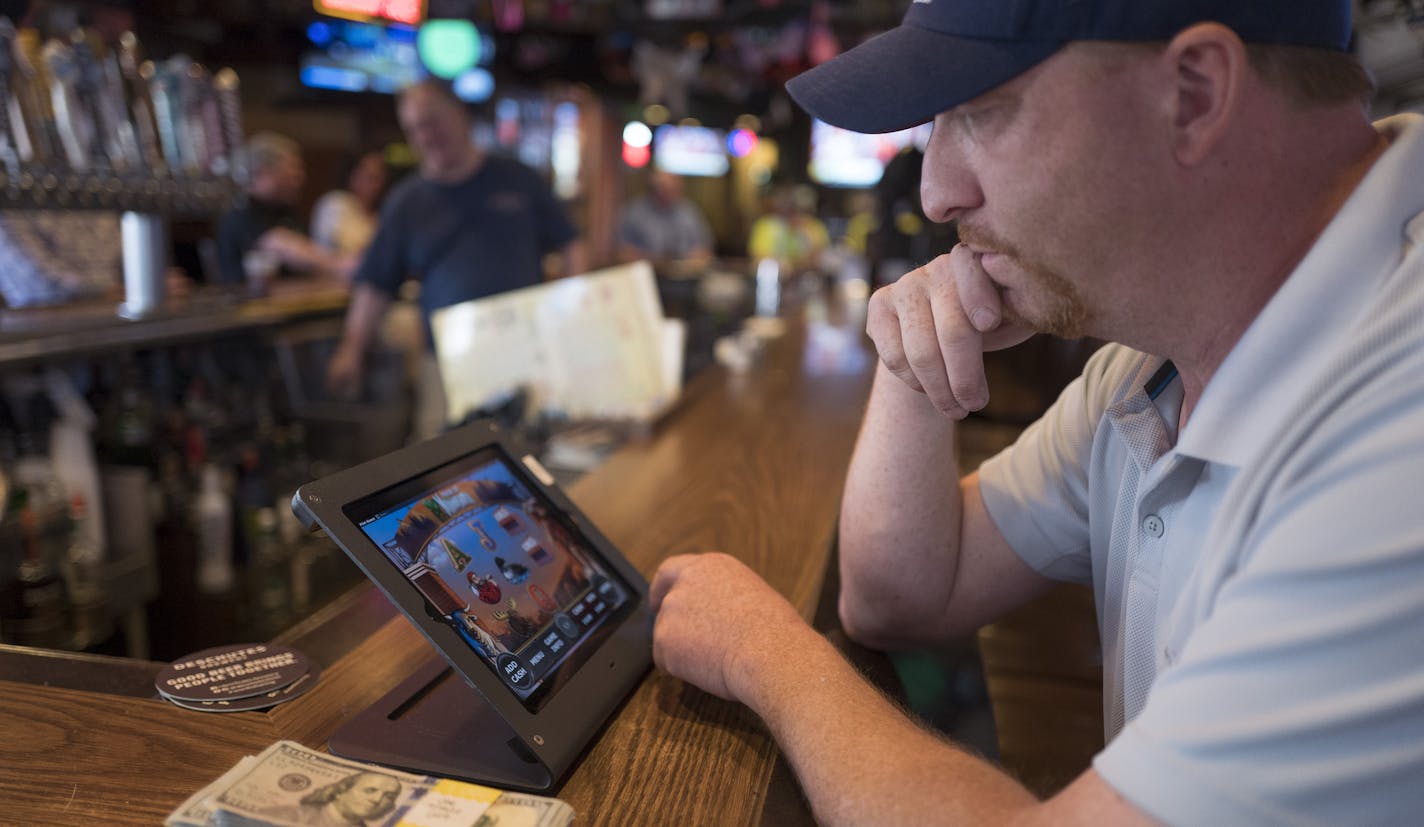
x=594, y=346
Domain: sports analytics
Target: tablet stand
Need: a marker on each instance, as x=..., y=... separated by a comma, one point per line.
x=434, y=723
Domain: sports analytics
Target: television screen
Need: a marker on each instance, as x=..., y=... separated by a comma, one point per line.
x=841, y=158
x=360, y=57
x=682, y=9
x=690, y=150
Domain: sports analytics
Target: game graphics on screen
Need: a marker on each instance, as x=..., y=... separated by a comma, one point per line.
x=508, y=577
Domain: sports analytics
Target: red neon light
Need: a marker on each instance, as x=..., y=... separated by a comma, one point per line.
x=409, y=12
x=637, y=157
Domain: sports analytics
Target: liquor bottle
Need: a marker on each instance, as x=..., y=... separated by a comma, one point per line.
x=36, y=481
x=269, y=577
x=83, y=578
x=293, y=469
x=131, y=428
x=254, y=494
x=73, y=460
x=34, y=613
x=214, y=521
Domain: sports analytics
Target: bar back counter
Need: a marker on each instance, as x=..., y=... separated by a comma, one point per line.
x=750, y=463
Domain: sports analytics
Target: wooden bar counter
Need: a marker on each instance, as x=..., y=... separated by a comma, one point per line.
x=750, y=463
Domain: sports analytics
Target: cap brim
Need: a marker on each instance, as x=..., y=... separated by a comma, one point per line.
x=908, y=75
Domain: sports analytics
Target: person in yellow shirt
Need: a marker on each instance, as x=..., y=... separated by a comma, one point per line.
x=790, y=232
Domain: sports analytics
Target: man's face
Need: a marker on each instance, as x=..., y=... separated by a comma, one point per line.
x=666, y=187
x=372, y=796
x=437, y=129
x=281, y=182
x=1047, y=175
x=369, y=177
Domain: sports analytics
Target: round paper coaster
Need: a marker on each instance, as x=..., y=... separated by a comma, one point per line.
x=295, y=689
x=225, y=673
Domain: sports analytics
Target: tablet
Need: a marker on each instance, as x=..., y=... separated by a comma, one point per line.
x=528, y=603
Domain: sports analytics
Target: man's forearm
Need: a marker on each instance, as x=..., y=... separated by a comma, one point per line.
x=826, y=719
x=363, y=316
x=900, y=516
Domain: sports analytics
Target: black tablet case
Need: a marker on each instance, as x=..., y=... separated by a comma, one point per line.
x=454, y=717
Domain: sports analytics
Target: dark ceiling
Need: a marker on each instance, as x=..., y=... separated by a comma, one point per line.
x=748, y=47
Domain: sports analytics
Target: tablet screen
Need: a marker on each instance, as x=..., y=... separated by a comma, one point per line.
x=496, y=562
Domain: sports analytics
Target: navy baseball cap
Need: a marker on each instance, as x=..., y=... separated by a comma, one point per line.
x=946, y=52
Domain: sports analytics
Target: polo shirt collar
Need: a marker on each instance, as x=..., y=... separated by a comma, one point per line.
x=1263, y=376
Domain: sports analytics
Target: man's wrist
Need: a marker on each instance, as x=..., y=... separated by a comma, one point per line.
x=762, y=674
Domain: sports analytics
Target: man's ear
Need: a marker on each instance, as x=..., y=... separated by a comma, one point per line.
x=1208, y=64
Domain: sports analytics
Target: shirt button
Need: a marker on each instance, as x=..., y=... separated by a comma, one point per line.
x=1153, y=525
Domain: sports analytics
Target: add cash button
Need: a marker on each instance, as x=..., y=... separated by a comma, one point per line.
x=514, y=673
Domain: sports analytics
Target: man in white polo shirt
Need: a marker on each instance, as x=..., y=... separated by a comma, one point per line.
x=1237, y=477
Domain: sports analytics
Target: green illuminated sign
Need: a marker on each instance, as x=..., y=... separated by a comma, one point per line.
x=448, y=47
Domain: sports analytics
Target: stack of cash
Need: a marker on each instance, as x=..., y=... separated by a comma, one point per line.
x=289, y=784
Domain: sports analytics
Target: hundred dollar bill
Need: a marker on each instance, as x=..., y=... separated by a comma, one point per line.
x=523, y=810
x=198, y=810
x=289, y=784
x=458, y=804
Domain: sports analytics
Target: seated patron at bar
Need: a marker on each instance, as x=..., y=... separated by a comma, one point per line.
x=664, y=226
x=789, y=231
x=1236, y=475
x=344, y=219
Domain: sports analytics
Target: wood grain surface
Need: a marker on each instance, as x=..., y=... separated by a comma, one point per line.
x=1044, y=669
x=750, y=463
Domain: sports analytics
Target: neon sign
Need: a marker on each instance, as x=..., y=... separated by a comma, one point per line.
x=409, y=12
